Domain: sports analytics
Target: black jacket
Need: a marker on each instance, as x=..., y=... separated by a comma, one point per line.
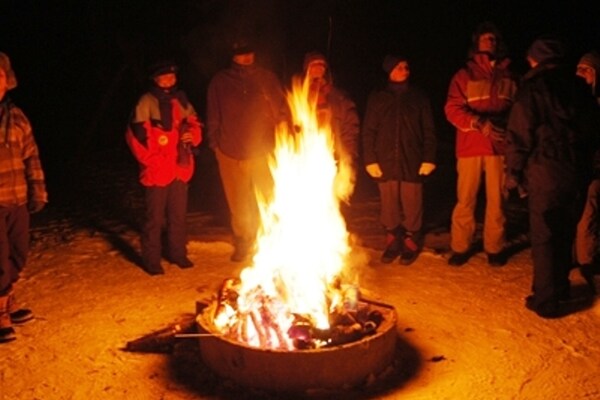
x=399, y=133
x=553, y=131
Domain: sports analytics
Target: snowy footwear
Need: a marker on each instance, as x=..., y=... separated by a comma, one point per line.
x=588, y=271
x=547, y=309
x=242, y=251
x=183, y=262
x=496, y=259
x=410, y=249
x=7, y=333
x=393, y=248
x=18, y=315
x=154, y=269
x=459, y=259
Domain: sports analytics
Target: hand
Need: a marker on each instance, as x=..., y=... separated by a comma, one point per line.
x=497, y=136
x=512, y=187
x=511, y=182
x=35, y=206
x=487, y=129
x=426, y=168
x=374, y=170
x=186, y=137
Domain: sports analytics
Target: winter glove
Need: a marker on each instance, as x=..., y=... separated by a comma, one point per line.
x=487, y=128
x=35, y=206
x=426, y=168
x=186, y=137
x=374, y=170
x=512, y=186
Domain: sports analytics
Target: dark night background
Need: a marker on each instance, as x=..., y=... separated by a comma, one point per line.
x=81, y=64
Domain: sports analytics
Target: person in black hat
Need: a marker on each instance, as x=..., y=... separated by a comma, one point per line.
x=552, y=136
x=399, y=147
x=245, y=102
x=163, y=128
x=22, y=192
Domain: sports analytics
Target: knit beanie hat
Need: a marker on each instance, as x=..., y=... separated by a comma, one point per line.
x=312, y=57
x=546, y=49
x=11, y=79
x=242, y=45
x=591, y=59
x=162, y=67
x=390, y=62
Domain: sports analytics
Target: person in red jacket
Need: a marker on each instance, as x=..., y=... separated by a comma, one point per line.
x=164, y=126
x=479, y=100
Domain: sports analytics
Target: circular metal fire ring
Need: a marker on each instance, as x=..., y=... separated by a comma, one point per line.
x=337, y=367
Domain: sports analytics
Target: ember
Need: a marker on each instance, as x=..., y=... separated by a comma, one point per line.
x=348, y=323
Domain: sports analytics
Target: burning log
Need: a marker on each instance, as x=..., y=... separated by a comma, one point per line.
x=162, y=340
x=227, y=296
x=261, y=333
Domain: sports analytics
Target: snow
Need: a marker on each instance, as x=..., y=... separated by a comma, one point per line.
x=463, y=333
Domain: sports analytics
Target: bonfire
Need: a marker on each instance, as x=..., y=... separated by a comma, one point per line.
x=295, y=288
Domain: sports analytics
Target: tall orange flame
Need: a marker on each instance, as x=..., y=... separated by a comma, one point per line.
x=303, y=244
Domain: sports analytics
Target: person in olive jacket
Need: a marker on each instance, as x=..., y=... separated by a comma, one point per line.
x=399, y=147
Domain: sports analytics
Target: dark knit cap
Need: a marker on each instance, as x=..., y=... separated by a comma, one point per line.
x=390, y=62
x=547, y=49
x=242, y=45
x=483, y=28
x=162, y=67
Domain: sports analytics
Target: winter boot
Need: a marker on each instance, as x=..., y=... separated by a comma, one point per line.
x=7, y=333
x=393, y=246
x=589, y=271
x=242, y=250
x=410, y=249
x=18, y=315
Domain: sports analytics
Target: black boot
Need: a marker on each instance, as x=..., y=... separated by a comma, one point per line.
x=393, y=247
x=7, y=333
x=588, y=271
x=18, y=315
x=410, y=248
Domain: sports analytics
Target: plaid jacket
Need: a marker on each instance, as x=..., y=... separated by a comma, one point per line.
x=21, y=174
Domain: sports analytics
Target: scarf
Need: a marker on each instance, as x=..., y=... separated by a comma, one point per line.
x=165, y=96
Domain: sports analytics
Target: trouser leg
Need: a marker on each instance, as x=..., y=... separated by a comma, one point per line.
x=14, y=244
x=156, y=198
x=411, y=195
x=586, y=239
x=494, y=222
x=177, y=198
x=391, y=211
x=463, y=224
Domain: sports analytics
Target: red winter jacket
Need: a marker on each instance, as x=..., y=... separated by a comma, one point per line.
x=479, y=92
x=155, y=144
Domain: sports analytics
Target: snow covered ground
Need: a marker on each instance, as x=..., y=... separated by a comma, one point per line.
x=463, y=333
